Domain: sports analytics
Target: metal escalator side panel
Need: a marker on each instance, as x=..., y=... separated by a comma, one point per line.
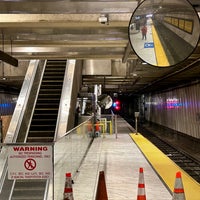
x=22, y=101
x=16, y=121
x=65, y=101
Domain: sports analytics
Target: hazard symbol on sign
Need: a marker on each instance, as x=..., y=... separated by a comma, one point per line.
x=30, y=164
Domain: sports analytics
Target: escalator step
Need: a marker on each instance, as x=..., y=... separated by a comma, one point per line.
x=47, y=126
x=47, y=105
x=40, y=139
x=54, y=72
x=44, y=128
x=46, y=95
x=25, y=189
x=45, y=116
x=45, y=111
x=52, y=82
x=45, y=98
x=42, y=121
x=50, y=88
x=34, y=183
x=39, y=133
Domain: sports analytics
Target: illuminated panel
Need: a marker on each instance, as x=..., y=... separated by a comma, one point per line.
x=176, y=22
x=172, y=21
x=188, y=26
x=181, y=23
x=173, y=103
x=168, y=20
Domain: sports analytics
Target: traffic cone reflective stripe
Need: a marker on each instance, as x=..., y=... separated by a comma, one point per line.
x=178, y=188
x=141, y=197
x=68, y=192
x=141, y=186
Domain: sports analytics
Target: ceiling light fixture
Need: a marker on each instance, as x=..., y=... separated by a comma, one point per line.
x=103, y=19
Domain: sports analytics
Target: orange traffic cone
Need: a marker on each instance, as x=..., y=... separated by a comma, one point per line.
x=178, y=188
x=68, y=192
x=141, y=186
x=101, y=193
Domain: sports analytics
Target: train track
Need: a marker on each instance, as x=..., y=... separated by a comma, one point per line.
x=181, y=158
x=185, y=161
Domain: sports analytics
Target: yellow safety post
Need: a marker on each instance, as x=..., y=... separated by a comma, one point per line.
x=103, y=120
x=78, y=130
x=103, y=128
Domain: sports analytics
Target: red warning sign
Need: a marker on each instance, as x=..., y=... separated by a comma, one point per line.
x=30, y=162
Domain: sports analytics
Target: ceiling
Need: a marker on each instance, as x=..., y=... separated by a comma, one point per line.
x=57, y=29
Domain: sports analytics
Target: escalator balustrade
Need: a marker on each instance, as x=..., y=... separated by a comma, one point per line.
x=43, y=124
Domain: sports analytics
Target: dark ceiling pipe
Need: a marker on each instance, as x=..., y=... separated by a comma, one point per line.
x=8, y=59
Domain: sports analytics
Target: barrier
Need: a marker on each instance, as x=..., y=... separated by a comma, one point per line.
x=101, y=188
x=68, y=191
x=141, y=186
x=178, y=188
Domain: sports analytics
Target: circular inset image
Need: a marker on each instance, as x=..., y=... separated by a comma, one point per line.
x=164, y=33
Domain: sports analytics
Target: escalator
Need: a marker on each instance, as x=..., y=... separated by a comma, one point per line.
x=43, y=114
x=43, y=125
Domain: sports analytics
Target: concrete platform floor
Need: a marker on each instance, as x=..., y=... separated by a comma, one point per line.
x=120, y=159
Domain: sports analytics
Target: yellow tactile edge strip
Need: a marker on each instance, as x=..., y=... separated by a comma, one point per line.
x=166, y=168
x=161, y=57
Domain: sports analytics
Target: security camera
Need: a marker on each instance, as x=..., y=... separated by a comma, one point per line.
x=103, y=19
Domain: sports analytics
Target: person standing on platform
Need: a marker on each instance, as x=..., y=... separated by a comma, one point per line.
x=144, y=32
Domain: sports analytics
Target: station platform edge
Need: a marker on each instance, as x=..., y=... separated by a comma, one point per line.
x=166, y=168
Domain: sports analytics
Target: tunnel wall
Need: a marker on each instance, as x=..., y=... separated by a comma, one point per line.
x=7, y=103
x=7, y=106
x=184, y=25
x=178, y=109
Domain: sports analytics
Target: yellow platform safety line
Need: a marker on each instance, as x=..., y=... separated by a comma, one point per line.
x=161, y=57
x=166, y=168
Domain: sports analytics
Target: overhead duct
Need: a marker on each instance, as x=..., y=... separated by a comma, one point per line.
x=104, y=67
x=97, y=67
x=118, y=68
